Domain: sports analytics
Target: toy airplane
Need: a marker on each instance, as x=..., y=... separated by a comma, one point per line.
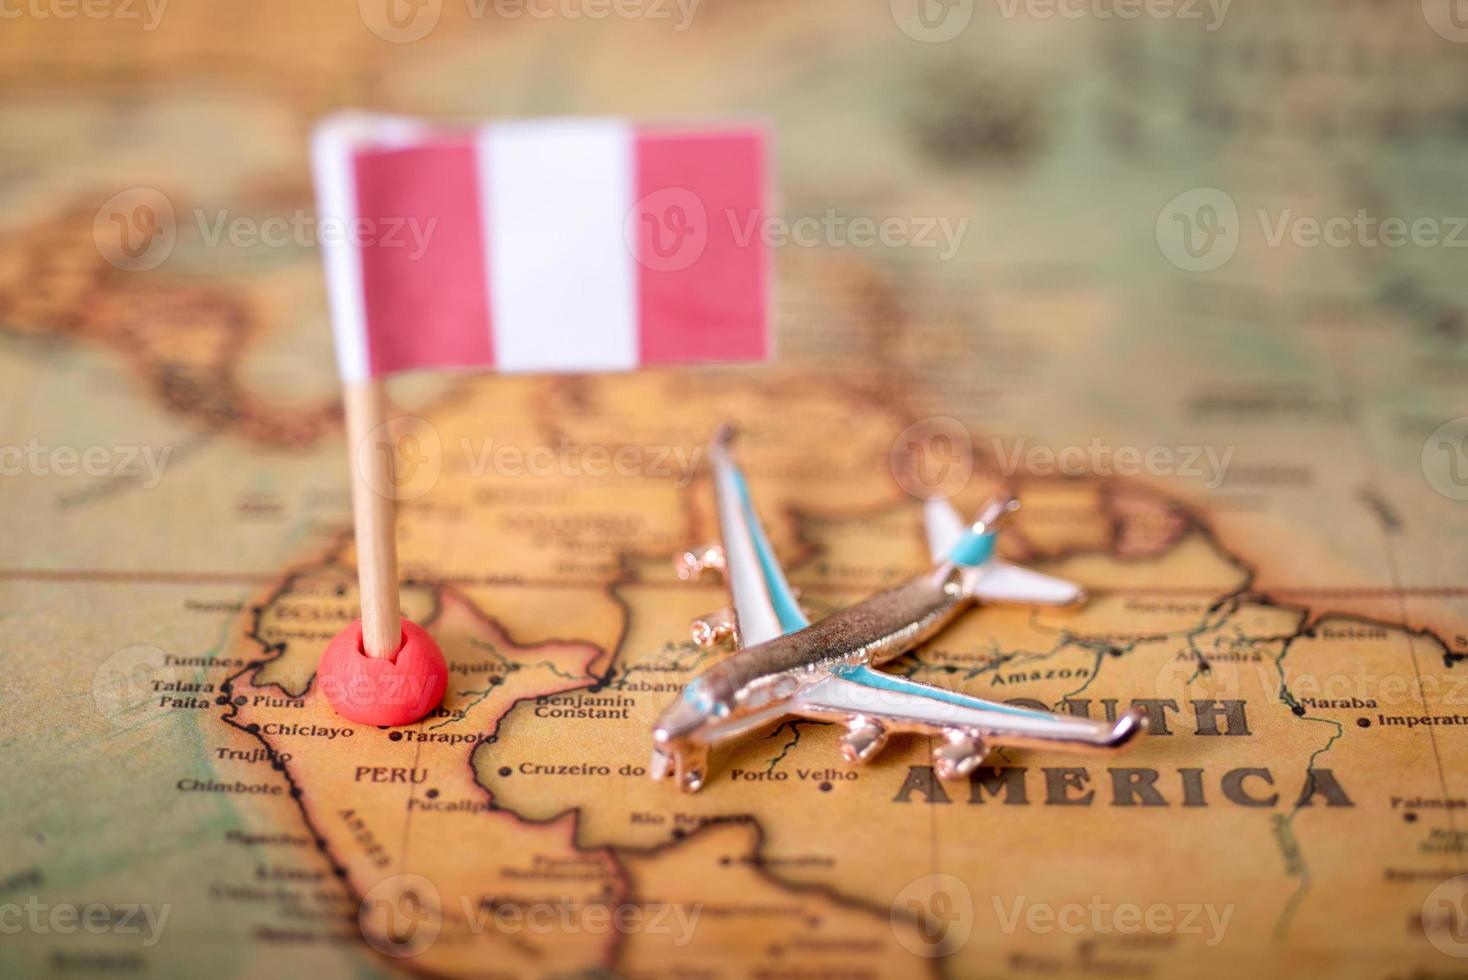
x=825, y=670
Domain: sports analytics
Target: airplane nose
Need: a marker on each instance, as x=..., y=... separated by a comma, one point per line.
x=682, y=718
x=678, y=722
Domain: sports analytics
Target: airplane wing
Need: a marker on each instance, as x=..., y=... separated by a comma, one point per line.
x=999, y=581
x=764, y=604
x=908, y=705
x=995, y=580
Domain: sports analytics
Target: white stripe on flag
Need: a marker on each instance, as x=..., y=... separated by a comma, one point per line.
x=332, y=148
x=562, y=280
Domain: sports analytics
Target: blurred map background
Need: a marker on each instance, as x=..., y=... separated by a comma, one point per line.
x=1188, y=276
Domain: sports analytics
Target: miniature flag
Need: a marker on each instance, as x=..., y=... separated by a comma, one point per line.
x=575, y=245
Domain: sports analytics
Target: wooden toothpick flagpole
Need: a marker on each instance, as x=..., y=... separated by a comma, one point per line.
x=381, y=669
x=373, y=488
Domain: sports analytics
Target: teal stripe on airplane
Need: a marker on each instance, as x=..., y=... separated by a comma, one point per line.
x=973, y=549
x=877, y=680
x=787, y=610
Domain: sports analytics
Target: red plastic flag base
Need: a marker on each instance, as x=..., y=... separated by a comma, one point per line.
x=380, y=690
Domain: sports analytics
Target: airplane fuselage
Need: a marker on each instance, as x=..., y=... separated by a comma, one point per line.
x=877, y=629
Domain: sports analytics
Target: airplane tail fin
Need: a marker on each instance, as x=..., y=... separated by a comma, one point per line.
x=949, y=539
x=990, y=579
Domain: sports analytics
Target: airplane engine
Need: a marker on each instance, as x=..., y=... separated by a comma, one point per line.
x=960, y=754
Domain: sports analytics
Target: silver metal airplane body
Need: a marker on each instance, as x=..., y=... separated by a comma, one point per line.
x=788, y=666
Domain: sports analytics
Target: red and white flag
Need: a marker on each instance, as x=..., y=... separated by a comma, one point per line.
x=567, y=245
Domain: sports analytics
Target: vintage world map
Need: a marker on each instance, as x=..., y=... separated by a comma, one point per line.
x=1185, y=276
